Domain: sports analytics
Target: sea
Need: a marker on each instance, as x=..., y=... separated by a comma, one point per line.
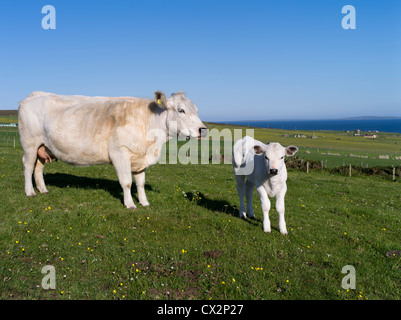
x=380, y=125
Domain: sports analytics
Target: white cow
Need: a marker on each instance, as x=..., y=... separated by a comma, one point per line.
x=264, y=168
x=125, y=131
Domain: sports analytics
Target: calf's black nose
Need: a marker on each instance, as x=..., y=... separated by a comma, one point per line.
x=273, y=172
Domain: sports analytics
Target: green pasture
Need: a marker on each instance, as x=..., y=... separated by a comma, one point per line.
x=334, y=148
x=190, y=244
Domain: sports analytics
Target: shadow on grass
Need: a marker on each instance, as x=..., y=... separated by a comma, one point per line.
x=63, y=180
x=217, y=205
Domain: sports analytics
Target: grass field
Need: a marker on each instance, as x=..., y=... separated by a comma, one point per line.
x=190, y=244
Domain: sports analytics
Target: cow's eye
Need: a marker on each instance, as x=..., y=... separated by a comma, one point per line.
x=266, y=158
x=181, y=110
x=282, y=157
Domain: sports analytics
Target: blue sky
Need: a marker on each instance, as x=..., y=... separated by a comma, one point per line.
x=254, y=59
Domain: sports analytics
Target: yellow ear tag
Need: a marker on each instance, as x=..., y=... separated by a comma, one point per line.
x=159, y=102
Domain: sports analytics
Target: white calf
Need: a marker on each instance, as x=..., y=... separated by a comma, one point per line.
x=264, y=168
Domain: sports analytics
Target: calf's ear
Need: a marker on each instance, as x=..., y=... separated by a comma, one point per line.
x=259, y=149
x=291, y=150
x=161, y=99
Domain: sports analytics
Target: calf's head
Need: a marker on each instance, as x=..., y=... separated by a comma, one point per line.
x=273, y=155
x=182, y=116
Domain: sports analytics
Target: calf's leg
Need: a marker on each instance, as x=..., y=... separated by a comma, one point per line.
x=241, y=195
x=249, y=193
x=265, y=203
x=280, y=207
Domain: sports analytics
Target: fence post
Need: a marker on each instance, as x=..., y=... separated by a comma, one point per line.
x=307, y=167
x=350, y=170
x=393, y=173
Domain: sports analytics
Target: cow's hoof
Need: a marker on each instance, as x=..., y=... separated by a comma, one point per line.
x=145, y=204
x=242, y=215
x=131, y=207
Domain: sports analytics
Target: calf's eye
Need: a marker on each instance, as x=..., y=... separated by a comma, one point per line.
x=181, y=111
x=266, y=158
x=282, y=157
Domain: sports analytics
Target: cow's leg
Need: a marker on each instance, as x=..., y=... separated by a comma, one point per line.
x=265, y=203
x=38, y=174
x=122, y=163
x=280, y=207
x=249, y=193
x=28, y=161
x=241, y=195
x=140, y=186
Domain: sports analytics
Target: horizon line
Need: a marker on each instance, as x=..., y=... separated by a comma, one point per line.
x=310, y=119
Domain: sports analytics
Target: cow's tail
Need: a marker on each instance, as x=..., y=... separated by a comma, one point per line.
x=239, y=154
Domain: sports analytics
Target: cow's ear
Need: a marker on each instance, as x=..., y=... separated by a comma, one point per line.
x=161, y=99
x=291, y=150
x=259, y=149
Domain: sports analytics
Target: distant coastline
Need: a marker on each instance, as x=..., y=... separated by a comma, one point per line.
x=369, y=118
x=363, y=123
x=319, y=119
x=367, y=124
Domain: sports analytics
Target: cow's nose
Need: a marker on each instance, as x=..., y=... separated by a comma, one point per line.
x=203, y=132
x=273, y=172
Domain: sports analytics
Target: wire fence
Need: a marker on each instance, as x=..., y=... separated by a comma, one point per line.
x=387, y=172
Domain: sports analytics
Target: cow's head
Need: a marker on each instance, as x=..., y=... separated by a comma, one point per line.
x=182, y=116
x=274, y=156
